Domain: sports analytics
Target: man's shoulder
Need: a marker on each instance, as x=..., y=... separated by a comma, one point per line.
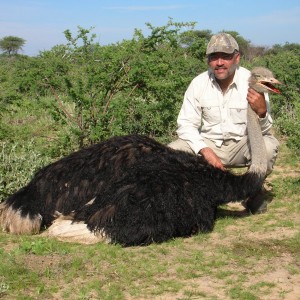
x=243, y=71
x=201, y=77
x=199, y=83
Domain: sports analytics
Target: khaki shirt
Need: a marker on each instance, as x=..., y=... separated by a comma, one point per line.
x=206, y=112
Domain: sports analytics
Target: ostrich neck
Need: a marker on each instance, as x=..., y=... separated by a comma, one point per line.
x=257, y=144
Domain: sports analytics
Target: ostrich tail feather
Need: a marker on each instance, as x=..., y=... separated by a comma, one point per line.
x=14, y=221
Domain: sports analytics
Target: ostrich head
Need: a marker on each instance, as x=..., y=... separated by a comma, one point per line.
x=262, y=81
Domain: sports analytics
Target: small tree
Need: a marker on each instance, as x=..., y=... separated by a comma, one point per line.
x=11, y=44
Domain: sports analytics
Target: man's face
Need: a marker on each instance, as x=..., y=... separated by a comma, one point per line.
x=223, y=65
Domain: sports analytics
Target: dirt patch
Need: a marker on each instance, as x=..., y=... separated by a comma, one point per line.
x=42, y=263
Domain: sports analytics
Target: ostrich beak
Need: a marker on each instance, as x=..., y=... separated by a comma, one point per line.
x=267, y=83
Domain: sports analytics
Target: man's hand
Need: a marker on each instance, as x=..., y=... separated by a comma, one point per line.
x=257, y=102
x=211, y=157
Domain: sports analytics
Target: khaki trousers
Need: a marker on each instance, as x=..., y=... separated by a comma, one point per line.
x=234, y=154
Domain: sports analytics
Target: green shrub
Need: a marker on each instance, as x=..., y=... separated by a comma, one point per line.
x=135, y=86
x=18, y=162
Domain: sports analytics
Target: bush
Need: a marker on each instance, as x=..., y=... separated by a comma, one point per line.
x=80, y=93
x=18, y=163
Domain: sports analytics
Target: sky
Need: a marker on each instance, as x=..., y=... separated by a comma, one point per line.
x=41, y=23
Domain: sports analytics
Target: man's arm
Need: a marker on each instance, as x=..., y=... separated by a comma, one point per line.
x=189, y=119
x=257, y=102
x=260, y=104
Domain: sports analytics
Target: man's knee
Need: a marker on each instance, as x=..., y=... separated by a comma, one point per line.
x=272, y=148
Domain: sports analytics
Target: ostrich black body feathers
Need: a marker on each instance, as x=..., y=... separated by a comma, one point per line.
x=131, y=189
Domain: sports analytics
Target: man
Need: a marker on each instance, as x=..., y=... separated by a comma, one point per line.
x=213, y=117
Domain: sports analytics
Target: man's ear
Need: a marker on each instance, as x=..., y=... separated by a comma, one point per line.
x=237, y=58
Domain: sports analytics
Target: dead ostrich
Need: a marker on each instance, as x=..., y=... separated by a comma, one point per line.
x=133, y=190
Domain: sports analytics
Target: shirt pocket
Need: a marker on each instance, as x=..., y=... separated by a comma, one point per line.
x=238, y=112
x=210, y=111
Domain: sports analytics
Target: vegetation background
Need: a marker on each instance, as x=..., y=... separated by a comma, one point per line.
x=80, y=93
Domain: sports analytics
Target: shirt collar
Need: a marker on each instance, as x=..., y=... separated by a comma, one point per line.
x=235, y=80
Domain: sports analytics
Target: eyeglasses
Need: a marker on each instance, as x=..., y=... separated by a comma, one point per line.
x=223, y=56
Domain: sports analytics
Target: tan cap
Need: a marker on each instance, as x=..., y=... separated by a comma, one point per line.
x=222, y=42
